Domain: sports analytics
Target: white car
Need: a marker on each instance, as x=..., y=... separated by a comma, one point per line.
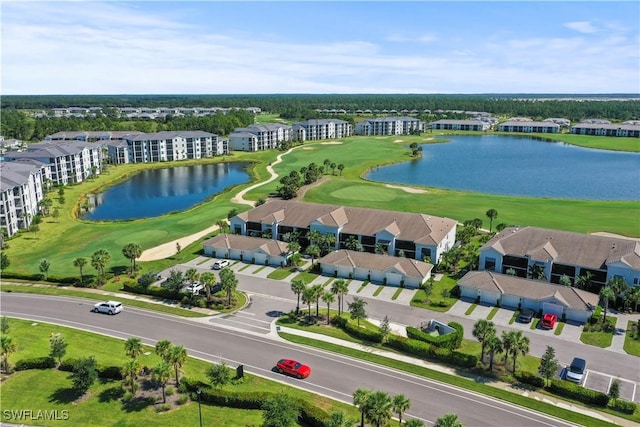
x=109, y=307
x=221, y=263
x=576, y=371
x=194, y=288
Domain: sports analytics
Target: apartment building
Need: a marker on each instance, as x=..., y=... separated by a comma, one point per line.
x=21, y=190
x=389, y=126
x=414, y=235
x=471, y=125
x=260, y=137
x=165, y=146
x=529, y=127
x=626, y=129
x=318, y=129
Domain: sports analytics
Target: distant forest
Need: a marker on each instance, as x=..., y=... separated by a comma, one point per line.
x=14, y=124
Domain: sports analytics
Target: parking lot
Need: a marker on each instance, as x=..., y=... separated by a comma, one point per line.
x=602, y=382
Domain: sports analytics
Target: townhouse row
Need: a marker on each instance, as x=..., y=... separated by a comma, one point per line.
x=149, y=113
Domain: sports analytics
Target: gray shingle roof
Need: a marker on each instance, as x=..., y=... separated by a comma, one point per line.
x=14, y=174
x=246, y=243
x=406, y=266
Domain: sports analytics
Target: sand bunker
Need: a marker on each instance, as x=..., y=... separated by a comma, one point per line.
x=332, y=143
x=399, y=140
x=407, y=189
x=307, y=148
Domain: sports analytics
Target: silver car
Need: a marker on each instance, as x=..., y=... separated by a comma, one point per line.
x=108, y=307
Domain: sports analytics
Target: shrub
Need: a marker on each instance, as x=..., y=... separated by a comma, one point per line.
x=169, y=391
x=450, y=341
x=35, y=363
x=68, y=364
x=110, y=372
x=183, y=399
x=128, y=396
x=529, y=378
x=573, y=391
x=163, y=408
x=311, y=415
x=356, y=332
x=623, y=406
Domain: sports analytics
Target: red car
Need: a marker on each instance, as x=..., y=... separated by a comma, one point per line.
x=293, y=368
x=549, y=321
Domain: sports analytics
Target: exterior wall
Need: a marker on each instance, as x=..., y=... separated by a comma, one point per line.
x=466, y=292
x=528, y=127
x=510, y=301
x=489, y=297
x=632, y=277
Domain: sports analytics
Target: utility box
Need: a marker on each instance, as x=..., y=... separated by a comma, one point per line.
x=240, y=371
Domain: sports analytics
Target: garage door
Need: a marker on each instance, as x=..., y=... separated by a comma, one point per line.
x=394, y=279
x=377, y=277
x=361, y=273
x=510, y=301
x=489, y=297
x=260, y=258
x=471, y=293
x=556, y=309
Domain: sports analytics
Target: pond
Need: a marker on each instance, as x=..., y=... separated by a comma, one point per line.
x=520, y=166
x=157, y=192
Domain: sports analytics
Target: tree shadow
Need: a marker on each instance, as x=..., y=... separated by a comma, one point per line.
x=137, y=404
x=110, y=394
x=64, y=395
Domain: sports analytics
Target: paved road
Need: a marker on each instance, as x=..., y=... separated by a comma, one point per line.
x=333, y=375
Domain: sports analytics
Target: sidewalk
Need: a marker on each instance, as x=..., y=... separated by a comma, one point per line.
x=505, y=386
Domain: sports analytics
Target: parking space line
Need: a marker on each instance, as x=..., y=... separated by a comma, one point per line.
x=610, y=382
x=633, y=395
x=586, y=374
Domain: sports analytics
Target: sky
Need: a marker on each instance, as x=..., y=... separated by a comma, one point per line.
x=241, y=47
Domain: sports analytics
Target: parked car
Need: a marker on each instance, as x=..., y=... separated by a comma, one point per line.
x=109, y=307
x=194, y=288
x=575, y=371
x=525, y=316
x=293, y=368
x=549, y=321
x=221, y=263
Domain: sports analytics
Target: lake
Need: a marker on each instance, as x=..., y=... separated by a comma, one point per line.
x=520, y=166
x=157, y=192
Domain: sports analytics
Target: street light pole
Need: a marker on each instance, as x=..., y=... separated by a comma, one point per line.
x=199, y=408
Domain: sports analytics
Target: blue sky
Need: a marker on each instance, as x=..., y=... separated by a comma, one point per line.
x=209, y=47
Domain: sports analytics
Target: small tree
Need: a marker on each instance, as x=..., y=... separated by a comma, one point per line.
x=80, y=263
x=491, y=214
x=130, y=371
x=400, y=405
x=385, y=330
x=178, y=247
x=163, y=349
x=565, y=280
x=360, y=398
x=229, y=282
x=607, y=294
x=85, y=372
x=328, y=298
x=548, y=364
x=44, y=267
x=58, y=347
x=357, y=310
x=280, y=411
x=177, y=357
x=493, y=346
x=614, y=390
x=7, y=346
x=448, y=420
x=4, y=325
x=4, y=261
x=219, y=374
x=298, y=287
x=482, y=330
x=132, y=252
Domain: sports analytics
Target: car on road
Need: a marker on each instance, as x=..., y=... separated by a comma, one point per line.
x=194, y=288
x=108, y=307
x=549, y=321
x=525, y=316
x=576, y=370
x=293, y=368
x=221, y=263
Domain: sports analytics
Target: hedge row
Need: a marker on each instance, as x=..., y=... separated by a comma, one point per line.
x=35, y=363
x=530, y=378
x=424, y=350
x=152, y=291
x=579, y=393
x=356, y=332
x=39, y=278
x=623, y=406
x=106, y=372
x=450, y=341
x=310, y=415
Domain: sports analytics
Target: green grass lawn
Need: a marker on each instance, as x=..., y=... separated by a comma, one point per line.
x=632, y=339
x=598, y=337
x=470, y=309
x=306, y=277
x=436, y=300
x=559, y=328
x=492, y=313
x=280, y=273
x=53, y=390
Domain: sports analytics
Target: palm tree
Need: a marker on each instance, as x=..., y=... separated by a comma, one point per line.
x=536, y=272
x=228, y=282
x=7, y=346
x=313, y=251
x=400, y=404
x=44, y=266
x=360, y=397
x=508, y=342
x=222, y=224
x=317, y=294
x=340, y=168
x=607, y=294
x=133, y=347
x=298, y=287
x=493, y=346
x=378, y=410
x=414, y=422
x=520, y=346
x=328, y=297
x=314, y=237
x=448, y=420
x=80, y=263
x=163, y=349
x=161, y=374
x=100, y=259
x=340, y=288
x=130, y=370
x=132, y=251
x=618, y=285
x=381, y=248
x=308, y=296
x=482, y=330
x=583, y=281
x=177, y=357
x=191, y=275
x=492, y=214
x=208, y=279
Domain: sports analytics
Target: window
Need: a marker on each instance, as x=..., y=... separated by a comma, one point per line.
x=490, y=264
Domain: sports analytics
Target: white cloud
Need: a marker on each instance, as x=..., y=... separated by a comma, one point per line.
x=96, y=48
x=585, y=27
